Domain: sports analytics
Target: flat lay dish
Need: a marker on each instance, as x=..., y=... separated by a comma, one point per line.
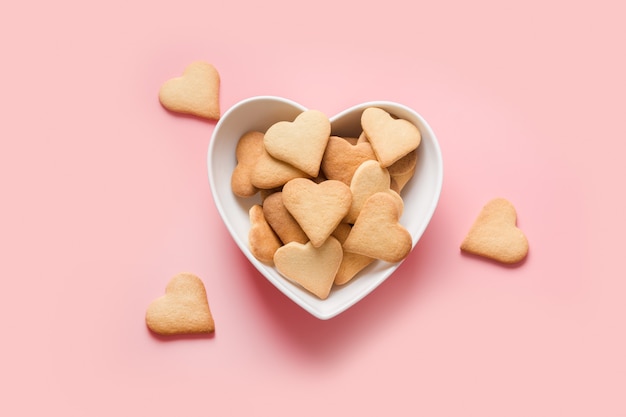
x=421, y=193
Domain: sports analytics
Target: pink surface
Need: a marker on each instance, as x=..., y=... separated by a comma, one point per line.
x=105, y=196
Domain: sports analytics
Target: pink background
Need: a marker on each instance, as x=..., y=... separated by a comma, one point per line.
x=105, y=197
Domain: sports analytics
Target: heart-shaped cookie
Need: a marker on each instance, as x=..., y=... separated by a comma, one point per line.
x=390, y=138
x=300, y=143
x=495, y=234
x=281, y=221
x=184, y=309
x=420, y=195
x=312, y=268
x=269, y=172
x=261, y=238
x=400, y=171
x=196, y=92
x=249, y=150
x=352, y=263
x=369, y=178
x=402, y=166
x=377, y=232
x=342, y=158
x=317, y=207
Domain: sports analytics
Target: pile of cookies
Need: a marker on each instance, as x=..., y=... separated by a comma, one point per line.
x=329, y=205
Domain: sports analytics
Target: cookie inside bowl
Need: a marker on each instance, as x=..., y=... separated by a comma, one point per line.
x=420, y=195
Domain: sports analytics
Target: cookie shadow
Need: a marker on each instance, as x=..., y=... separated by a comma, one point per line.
x=486, y=260
x=188, y=116
x=173, y=338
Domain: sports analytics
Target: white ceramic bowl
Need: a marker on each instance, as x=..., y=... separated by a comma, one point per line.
x=420, y=195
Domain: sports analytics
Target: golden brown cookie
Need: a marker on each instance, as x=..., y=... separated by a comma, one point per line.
x=281, y=221
x=369, y=178
x=312, y=268
x=398, y=182
x=352, y=263
x=495, y=235
x=300, y=143
x=391, y=138
x=377, y=232
x=184, y=309
x=341, y=158
x=404, y=165
x=262, y=240
x=196, y=92
x=249, y=150
x=318, y=208
x=269, y=173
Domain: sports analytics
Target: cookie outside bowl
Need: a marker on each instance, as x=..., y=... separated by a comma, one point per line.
x=420, y=194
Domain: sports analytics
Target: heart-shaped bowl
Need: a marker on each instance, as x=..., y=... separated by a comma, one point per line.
x=420, y=195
